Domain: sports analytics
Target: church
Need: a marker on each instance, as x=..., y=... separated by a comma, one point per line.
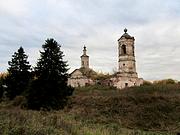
x=126, y=75
x=82, y=76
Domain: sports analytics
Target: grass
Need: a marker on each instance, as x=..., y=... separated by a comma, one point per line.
x=97, y=110
x=151, y=108
x=16, y=121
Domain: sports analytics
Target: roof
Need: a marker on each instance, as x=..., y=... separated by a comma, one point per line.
x=126, y=35
x=75, y=71
x=84, y=72
x=84, y=52
x=84, y=55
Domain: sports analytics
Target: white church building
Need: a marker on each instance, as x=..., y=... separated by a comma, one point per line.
x=78, y=78
x=126, y=75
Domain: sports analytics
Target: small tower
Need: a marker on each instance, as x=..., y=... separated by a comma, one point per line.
x=84, y=59
x=82, y=76
x=127, y=63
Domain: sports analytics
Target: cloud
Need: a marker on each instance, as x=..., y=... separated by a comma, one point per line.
x=98, y=25
x=15, y=7
x=158, y=49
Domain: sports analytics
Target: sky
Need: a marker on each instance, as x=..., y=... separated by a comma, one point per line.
x=98, y=24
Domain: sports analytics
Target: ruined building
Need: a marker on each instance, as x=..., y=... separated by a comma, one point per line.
x=82, y=76
x=126, y=75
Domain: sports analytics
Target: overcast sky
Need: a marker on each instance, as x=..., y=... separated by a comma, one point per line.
x=98, y=24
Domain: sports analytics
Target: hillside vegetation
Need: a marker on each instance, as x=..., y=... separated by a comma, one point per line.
x=153, y=108
x=97, y=110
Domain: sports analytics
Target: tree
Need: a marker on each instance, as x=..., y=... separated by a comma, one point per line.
x=145, y=82
x=49, y=90
x=165, y=81
x=1, y=85
x=90, y=73
x=18, y=74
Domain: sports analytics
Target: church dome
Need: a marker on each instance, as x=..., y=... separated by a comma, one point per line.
x=84, y=52
x=126, y=35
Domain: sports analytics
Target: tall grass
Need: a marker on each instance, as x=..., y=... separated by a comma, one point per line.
x=101, y=110
x=15, y=121
x=153, y=107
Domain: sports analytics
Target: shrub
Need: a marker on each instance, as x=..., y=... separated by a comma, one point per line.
x=165, y=81
x=147, y=82
x=19, y=101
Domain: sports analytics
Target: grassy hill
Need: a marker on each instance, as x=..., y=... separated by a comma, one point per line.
x=97, y=110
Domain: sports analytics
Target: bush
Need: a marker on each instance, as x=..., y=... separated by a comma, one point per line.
x=147, y=82
x=2, y=79
x=19, y=101
x=165, y=81
x=148, y=107
x=47, y=95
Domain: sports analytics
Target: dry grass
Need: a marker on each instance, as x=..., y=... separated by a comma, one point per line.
x=97, y=110
x=152, y=108
x=15, y=121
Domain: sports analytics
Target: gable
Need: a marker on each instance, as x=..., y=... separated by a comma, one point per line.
x=76, y=73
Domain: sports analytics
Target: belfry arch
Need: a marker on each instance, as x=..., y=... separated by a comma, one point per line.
x=123, y=48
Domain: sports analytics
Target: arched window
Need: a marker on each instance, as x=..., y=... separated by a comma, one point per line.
x=126, y=84
x=123, y=49
x=133, y=50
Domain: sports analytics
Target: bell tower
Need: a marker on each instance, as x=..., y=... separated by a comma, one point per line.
x=84, y=59
x=126, y=56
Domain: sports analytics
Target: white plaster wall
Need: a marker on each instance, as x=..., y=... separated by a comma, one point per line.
x=79, y=82
x=120, y=82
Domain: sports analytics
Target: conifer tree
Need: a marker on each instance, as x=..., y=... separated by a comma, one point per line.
x=1, y=86
x=18, y=74
x=49, y=90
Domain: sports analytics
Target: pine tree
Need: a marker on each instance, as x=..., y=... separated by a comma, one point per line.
x=18, y=74
x=49, y=90
x=1, y=86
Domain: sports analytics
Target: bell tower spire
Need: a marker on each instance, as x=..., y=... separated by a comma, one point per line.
x=84, y=59
x=127, y=64
x=84, y=50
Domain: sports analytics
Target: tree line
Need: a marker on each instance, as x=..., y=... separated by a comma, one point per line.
x=45, y=85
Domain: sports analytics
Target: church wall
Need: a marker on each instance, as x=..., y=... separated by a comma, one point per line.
x=79, y=82
x=122, y=82
x=85, y=61
x=126, y=55
x=76, y=74
x=127, y=66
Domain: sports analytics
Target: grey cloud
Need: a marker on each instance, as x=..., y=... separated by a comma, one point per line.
x=98, y=25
